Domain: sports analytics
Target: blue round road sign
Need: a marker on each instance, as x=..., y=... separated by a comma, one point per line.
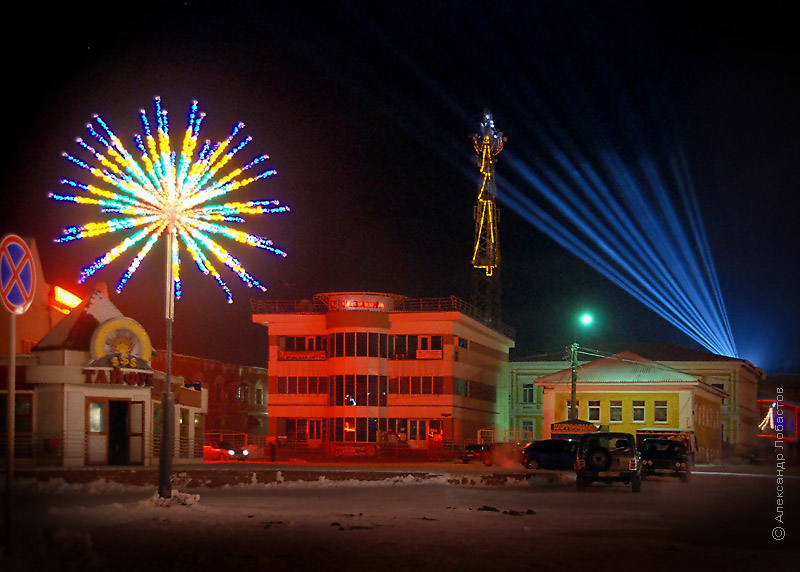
x=17, y=274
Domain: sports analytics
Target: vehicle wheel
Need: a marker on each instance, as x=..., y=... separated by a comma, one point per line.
x=580, y=483
x=222, y=456
x=598, y=459
x=636, y=484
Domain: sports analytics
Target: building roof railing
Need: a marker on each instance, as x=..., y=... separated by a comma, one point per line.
x=448, y=304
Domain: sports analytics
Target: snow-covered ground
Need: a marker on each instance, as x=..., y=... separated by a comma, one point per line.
x=435, y=522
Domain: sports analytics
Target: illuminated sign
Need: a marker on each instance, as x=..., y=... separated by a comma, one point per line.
x=284, y=355
x=357, y=305
x=573, y=427
x=66, y=298
x=429, y=354
x=116, y=376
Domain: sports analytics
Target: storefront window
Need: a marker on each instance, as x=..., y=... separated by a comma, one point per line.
x=97, y=416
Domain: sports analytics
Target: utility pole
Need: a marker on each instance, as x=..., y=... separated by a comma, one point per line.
x=573, y=358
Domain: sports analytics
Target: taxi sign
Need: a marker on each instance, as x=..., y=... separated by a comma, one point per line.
x=17, y=274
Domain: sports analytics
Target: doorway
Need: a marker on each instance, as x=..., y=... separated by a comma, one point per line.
x=118, y=432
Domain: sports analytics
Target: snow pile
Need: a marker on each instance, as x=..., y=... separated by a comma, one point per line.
x=177, y=498
x=59, y=485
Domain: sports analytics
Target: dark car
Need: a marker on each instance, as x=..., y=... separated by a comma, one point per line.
x=666, y=457
x=556, y=454
x=478, y=452
x=608, y=458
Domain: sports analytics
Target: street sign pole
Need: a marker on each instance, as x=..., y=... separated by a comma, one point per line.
x=17, y=287
x=10, y=415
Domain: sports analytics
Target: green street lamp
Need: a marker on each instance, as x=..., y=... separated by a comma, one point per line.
x=585, y=320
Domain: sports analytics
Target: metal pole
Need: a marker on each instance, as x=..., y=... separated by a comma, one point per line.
x=10, y=429
x=167, y=398
x=573, y=405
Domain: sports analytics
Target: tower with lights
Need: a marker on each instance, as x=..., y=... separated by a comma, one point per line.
x=485, y=293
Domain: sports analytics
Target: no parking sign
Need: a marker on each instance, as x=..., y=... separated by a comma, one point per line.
x=17, y=274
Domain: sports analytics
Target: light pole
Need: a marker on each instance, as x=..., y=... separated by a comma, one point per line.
x=585, y=320
x=168, y=398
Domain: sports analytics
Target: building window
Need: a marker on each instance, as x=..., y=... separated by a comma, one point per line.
x=577, y=408
x=594, y=411
x=97, y=416
x=463, y=342
x=615, y=412
x=527, y=425
x=259, y=396
x=660, y=412
x=528, y=393
x=638, y=412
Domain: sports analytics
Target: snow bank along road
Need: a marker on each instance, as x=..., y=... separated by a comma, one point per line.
x=425, y=520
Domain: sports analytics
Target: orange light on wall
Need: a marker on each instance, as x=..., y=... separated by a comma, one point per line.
x=66, y=297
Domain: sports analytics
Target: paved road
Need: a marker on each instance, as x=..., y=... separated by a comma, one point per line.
x=715, y=522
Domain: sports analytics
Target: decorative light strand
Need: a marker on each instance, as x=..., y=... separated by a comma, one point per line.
x=168, y=191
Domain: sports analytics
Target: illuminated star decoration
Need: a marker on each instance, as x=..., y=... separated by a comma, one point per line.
x=169, y=191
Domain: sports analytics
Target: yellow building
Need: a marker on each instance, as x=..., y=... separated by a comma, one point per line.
x=628, y=393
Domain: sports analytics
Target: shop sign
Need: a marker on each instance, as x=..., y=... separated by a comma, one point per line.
x=429, y=354
x=284, y=355
x=573, y=427
x=351, y=304
x=118, y=376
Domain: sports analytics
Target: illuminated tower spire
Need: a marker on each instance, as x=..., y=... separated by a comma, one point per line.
x=486, y=252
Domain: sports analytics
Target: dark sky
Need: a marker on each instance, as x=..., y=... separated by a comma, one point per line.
x=367, y=109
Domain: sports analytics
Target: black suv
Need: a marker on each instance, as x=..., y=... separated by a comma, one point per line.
x=666, y=457
x=549, y=454
x=608, y=458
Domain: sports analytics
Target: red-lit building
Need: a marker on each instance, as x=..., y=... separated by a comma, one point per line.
x=353, y=370
x=237, y=394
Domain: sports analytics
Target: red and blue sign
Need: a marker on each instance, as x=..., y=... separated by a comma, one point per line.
x=17, y=274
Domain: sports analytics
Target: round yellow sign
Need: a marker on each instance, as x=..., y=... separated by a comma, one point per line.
x=121, y=336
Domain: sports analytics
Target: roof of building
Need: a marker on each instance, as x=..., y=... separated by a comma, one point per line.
x=652, y=351
x=75, y=331
x=622, y=367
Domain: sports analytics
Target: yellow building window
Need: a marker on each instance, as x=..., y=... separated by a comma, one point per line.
x=660, y=411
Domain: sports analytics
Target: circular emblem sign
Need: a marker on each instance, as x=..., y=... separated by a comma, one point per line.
x=120, y=337
x=17, y=274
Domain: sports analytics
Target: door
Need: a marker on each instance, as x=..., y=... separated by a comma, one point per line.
x=118, y=432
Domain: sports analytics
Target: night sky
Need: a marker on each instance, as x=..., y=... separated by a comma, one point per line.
x=367, y=111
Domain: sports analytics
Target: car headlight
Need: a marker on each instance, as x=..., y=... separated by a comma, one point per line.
x=245, y=452
x=231, y=452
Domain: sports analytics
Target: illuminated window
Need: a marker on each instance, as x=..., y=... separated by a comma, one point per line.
x=660, y=411
x=97, y=417
x=615, y=411
x=594, y=411
x=638, y=412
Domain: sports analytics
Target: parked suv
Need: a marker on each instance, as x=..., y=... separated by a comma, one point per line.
x=666, y=457
x=549, y=454
x=608, y=458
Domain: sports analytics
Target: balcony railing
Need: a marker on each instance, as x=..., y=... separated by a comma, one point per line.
x=449, y=304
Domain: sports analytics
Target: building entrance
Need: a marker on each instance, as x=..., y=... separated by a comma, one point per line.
x=118, y=432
